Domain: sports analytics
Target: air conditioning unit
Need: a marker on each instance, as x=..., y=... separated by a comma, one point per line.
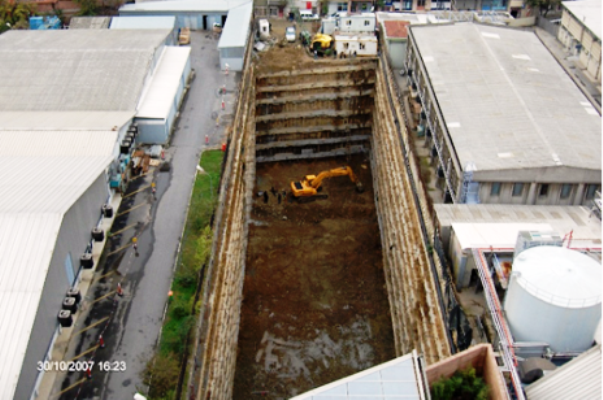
x=69, y=304
x=528, y=239
x=107, y=210
x=98, y=234
x=75, y=293
x=86, y=261
x=65, y=318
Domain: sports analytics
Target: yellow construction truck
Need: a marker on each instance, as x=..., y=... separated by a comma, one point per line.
x=311, y=185
x=322, y=44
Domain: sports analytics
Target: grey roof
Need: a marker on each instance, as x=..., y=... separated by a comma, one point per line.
x=151, y=22
x=221, y=6
x=506, y=102
x=79, y=70
x=89, y=22
x=43, y=175
x=237, y=26
x=64, y=120
x=399, y=378
x=587, y=12
x=578, y=379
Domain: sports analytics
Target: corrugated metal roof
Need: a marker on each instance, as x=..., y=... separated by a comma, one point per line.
x=42, y=175
x=64, y=120
x=89, y=22
x=79, y=70
x=218, y=6
x=151, y=22
x=506, y=101
x=238, y=25
x=578, y=379
x=563, y=219
x=588, y=12
x=396, y=379
x=158, y=100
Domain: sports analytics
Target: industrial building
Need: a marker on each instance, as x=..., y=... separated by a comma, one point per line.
x=528, y=277
x=204, y=15
x=193, y=14
x=580, y=33
x=148, y=22
x=69, y=99
x=503, y=121
x=234, y=37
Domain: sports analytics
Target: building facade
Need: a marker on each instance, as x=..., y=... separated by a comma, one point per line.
x=580, y=33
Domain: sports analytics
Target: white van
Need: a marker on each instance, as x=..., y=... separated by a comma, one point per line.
x=307, y=15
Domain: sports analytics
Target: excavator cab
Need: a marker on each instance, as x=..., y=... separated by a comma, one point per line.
x=311, y=185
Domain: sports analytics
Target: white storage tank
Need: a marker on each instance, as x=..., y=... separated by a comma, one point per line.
x=554, y=296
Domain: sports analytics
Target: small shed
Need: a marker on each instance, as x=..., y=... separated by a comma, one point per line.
x=359, y=45
x=159, y=106
x=396, y=39
x=148, y=22
x=364, y=22
x=234, y=37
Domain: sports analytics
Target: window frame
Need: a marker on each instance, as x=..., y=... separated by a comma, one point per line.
x=544, y=187
x=567, y=195
x=515, y=192
x=495, y=189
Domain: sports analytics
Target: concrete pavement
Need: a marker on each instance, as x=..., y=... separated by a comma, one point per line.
x=132, y=331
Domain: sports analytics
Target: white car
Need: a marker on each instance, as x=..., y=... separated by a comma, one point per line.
x=309, y=17
x=290, y=34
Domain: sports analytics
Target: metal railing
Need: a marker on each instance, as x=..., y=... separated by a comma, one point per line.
x=505, y=338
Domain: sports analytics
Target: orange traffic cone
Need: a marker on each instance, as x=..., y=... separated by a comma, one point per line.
x=88, y=373
x=120, y=291
x=101, y=342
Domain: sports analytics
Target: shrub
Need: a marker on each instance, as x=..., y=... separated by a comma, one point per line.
x=463, y=385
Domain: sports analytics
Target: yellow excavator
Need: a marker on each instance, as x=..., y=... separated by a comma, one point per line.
x=312, y=184
x=323, y=44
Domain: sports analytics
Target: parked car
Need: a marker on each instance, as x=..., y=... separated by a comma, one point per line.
x=290, y=34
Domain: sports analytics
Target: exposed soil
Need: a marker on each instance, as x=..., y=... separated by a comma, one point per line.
x=315, y=306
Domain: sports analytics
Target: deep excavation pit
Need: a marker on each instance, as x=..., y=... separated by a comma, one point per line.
x=298, y=295
x=315, y=307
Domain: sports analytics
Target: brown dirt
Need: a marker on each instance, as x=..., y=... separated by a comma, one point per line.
x=315, y=307
x=292, y=56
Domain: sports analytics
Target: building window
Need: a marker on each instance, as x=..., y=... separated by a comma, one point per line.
x=566, y=190
x=367, y=22
x=420, y=3
x=544, y=190
x=362, y=46
x=590, y=191
x=346, y=46
x=364, y=7
x=342, y=6
x=348, y=22
x=517, y=189
x=495, y=189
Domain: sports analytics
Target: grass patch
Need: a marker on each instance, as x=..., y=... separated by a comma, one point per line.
x=194, y=252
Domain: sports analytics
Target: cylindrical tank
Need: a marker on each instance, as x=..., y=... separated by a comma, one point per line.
x=554, y=296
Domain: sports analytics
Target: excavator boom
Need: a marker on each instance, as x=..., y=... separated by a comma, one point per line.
x=311, y=184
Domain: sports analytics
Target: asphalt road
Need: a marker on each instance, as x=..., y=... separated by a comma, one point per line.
x=134, y=323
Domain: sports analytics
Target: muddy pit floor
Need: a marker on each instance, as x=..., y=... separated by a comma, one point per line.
x=315, y=306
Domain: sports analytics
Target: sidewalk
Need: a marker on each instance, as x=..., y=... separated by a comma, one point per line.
x=591, y=89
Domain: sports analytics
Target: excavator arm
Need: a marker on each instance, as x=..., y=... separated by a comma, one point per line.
x=312, y=183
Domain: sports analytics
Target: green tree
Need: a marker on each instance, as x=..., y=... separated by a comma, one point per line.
x=463, y=385
x=88, y=7
x=543, y=6
x=14, y=15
